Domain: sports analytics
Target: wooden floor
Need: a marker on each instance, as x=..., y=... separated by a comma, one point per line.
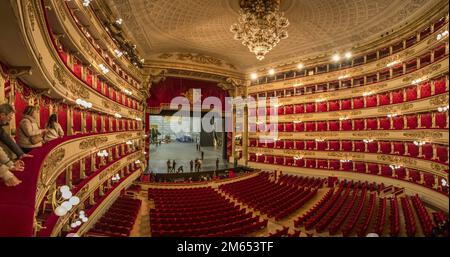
x=142, y=224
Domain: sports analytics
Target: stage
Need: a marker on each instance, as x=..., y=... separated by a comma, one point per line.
x=183, y=153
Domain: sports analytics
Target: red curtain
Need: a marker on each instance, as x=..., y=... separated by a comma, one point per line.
x=88, y=122
x=44, y=111
x=106, y=123
x=76, y=120
x=62, y=117
x=114, y=124
x=98, y=121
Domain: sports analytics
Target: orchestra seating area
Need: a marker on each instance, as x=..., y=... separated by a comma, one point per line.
x=199, y=212
x=276, y=199
x=118, y=220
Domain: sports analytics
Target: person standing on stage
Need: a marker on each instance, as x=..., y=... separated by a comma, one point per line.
x=168, y=166
x=174, y=165
x=217, y=163
x=191, y=163
x=203, y=155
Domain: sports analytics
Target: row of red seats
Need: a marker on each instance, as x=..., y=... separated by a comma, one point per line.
x=119, y=219
x=424, y=216
x=384, y=147
x=274, y=199
x=292, y=180
x=425, y=120
x=394, y=217
x=351, y=166
x=410, y=221
x=300, y=220
x=397, y=96
x=344, y=202
x=284, y=232
x=366, y=219
x=354, y=215
x=182, y=212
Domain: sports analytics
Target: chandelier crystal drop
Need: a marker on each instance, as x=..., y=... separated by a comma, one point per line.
x=261, y=26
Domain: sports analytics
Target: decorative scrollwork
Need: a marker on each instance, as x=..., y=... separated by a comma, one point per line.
x=423, y=134
x=370, y=134
x=397, y=159
x=74, y=88
x=439, y=167
x=439, y=100
x=111, y=106
x=93, y=142
x=51, y=162
x=124, y=136
x=30, y=9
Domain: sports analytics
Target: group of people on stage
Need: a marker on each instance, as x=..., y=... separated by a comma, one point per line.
x=30, y=136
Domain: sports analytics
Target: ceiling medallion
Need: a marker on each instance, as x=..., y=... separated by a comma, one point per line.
x=261, y=26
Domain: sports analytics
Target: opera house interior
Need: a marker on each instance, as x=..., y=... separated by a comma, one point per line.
x=224, y=118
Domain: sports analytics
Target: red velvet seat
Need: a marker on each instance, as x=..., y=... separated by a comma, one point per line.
x=252, y=143
x=299, y=108
x=359, y=124
x=299, y=163
x=427, y=151
x=360, y=167
x=411, y=93
x=289, y=109
x=299, y=126
x=279, y=160
x=288, y=127
x=442, y=153
x=322, y=164
x=281, y=110
x=288, y=144
x=425, y=90
x=334, y=165
x=411, y=121
x=346, y=104
x=360, y=146
x=384, y=99
x=299, y=145
x=413, y=150
x=322, y=107
x=371, y=101
x=346, y=125
x=397, y=96
x=346, y=146
x=270, y=144
x=386, y=170
x=322, y=126
x=310, y=145
x=262, y=158
x=373, y=168
x=280, y=127
x=385, y=123
x=425, y=119
x=333, y=106
x=372, y=147
x=289, y=161
x=372, y=124
x=441, y=119
x=385, y=147
x=321, y=146
x=310, y=126
x=439, y=86
x=333, y=125
x=310, y=163
x=399, y=148
x=279, y=144
x=398, y=122
x=334, y=145
x=311, y=107
x=358, y=103
x=347, y=166
x=261, y=143
x=252, y=157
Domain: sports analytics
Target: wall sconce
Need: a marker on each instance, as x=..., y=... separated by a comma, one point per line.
x=83, y=103
x=63, y=201
x=343, y=118
x=395, y=166
x=103, y=68
x=444, y=183
x=79, y=219
x=443, y=109
x=298, y=157
x=345, y=161
x=116, y=178
x=129, y=142
x=419, y=143
x=392, y=115
x=367, y=93
x=319, y=140
x=367, y=141
x=103, y=153
x=117, y=115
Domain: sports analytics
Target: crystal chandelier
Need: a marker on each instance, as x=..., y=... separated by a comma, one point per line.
x=261, y=26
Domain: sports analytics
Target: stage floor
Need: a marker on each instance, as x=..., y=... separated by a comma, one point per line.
x=183, y=153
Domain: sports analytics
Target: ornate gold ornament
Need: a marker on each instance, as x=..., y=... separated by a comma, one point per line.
x=92, y=142
x=423, y=134
x=51, y=162
x=66, y=82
